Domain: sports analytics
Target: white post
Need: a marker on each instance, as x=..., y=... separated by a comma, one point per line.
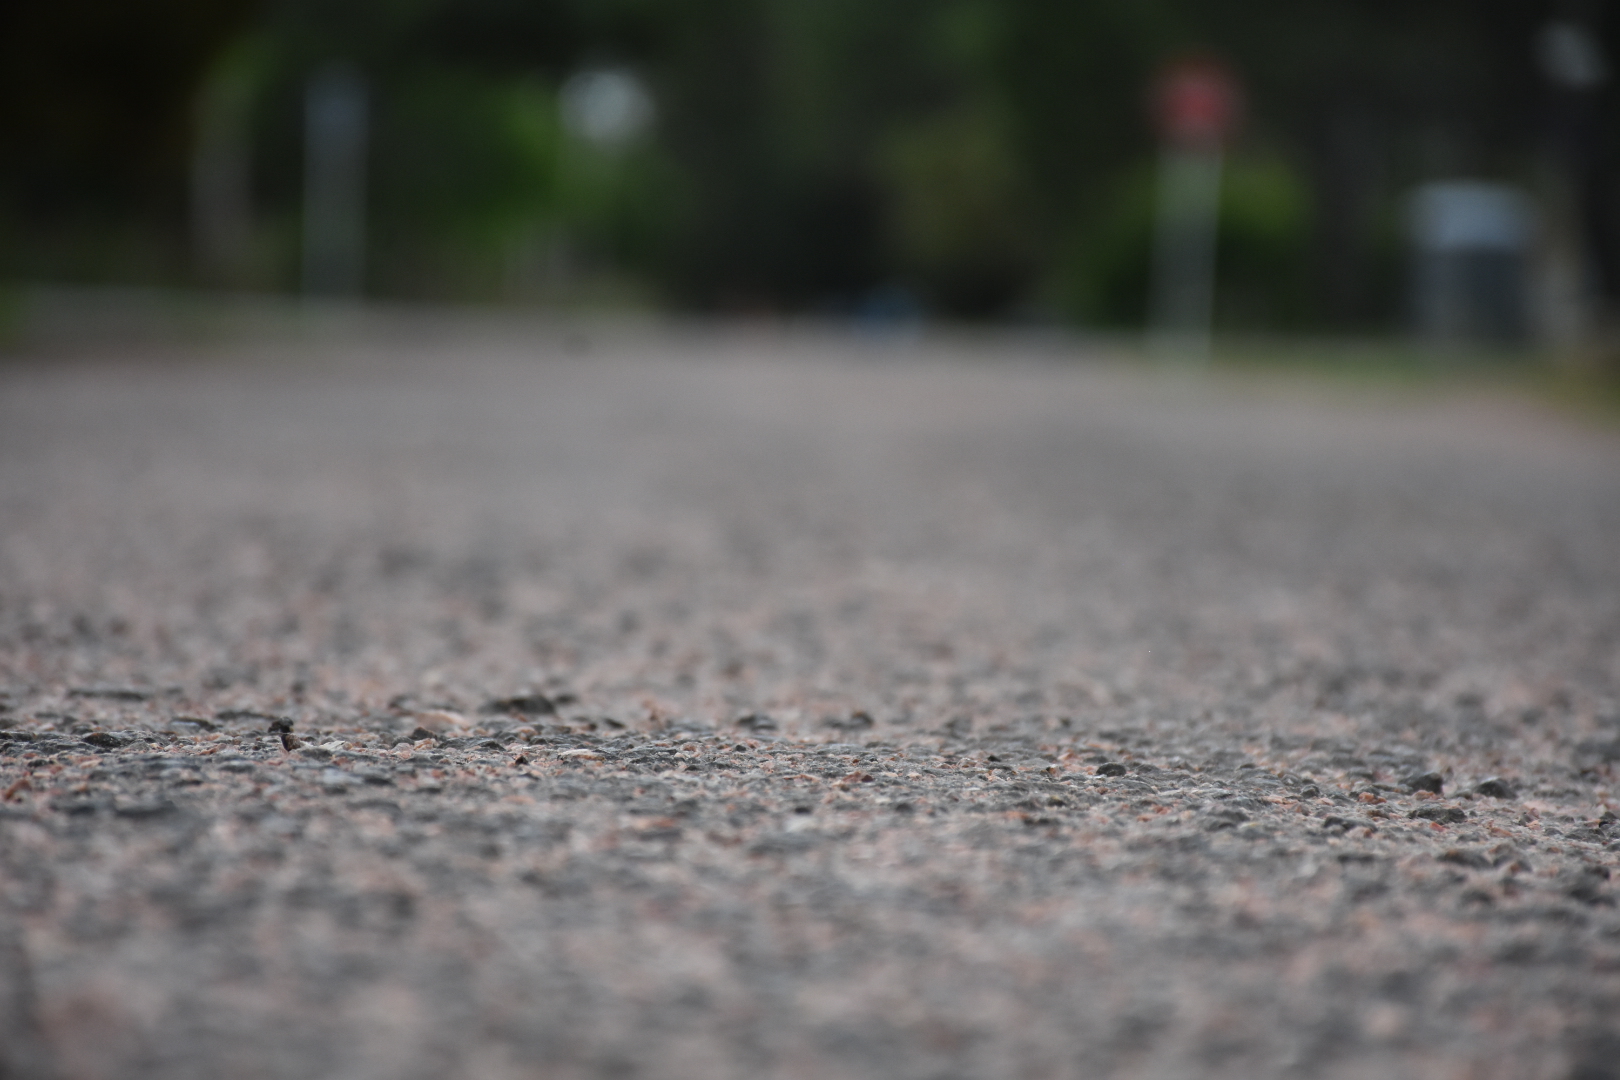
x=1570, y=281
x=335, y=130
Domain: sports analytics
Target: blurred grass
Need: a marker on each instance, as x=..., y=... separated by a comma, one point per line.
x=47, y=321
x=1583, y=386
x=1591, y=395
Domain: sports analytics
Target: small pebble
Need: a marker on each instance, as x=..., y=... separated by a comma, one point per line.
x=438, y=721
x=1429, y=781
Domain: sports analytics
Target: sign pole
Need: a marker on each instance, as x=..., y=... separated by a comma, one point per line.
x=1197, y=104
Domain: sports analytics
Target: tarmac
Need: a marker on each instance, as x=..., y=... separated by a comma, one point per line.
x=704, y=702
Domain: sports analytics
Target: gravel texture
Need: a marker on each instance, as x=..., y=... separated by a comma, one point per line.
x=735, y=704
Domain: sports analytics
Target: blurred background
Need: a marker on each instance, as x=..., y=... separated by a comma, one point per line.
x=1443, y=165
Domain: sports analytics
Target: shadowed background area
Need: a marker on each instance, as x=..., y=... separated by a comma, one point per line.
x=963, y=158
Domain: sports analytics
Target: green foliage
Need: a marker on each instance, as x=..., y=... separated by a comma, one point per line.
x=459, y=164
x=1262, y=248
x=1263, y=244
x=1101, y=274
x=464, y=156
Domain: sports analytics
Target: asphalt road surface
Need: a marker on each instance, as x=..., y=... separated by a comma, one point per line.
x=713, y=704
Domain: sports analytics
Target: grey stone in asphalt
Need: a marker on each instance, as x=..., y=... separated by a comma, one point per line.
x=965, y=708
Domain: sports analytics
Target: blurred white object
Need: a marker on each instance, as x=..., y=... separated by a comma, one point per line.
x=1570, y=56
x=1471, y=215
x=1471, y=241
x=609, y=107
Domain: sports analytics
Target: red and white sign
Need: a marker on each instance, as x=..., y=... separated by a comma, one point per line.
x=1196, y=103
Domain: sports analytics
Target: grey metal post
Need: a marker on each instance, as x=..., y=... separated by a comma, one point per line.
x=335, y=136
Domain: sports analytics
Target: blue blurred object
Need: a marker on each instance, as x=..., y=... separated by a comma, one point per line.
x=891, y=310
